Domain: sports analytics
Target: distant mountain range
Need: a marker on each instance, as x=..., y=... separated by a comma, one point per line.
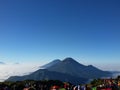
x=44, y=74
x=67, y=70
x=72, y=67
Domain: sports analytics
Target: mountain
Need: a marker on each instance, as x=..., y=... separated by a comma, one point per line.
x=44, y=74
x=66, y=70
x=50, y=64
x=72, y=67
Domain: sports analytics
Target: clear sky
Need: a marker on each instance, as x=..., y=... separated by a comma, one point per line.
x=39, y=31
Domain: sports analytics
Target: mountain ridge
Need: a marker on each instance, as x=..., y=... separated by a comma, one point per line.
x=44, y=74
x=74, y=68
x=68, y=68
x=50, y=63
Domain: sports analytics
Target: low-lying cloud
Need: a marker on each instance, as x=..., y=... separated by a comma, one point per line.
x=15, y=70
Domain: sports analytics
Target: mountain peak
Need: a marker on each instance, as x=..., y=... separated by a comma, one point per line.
x=69, y=59
x=51, y=63
x=56, y=60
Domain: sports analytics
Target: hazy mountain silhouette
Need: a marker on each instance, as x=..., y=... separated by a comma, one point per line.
x=66, y=70
x=72, y=67
x=50, y=64
x=44, y=74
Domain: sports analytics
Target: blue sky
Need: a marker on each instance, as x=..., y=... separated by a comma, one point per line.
x=39, y=31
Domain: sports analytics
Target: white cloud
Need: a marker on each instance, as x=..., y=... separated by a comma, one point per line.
x=16, y=69
x=109, y=67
